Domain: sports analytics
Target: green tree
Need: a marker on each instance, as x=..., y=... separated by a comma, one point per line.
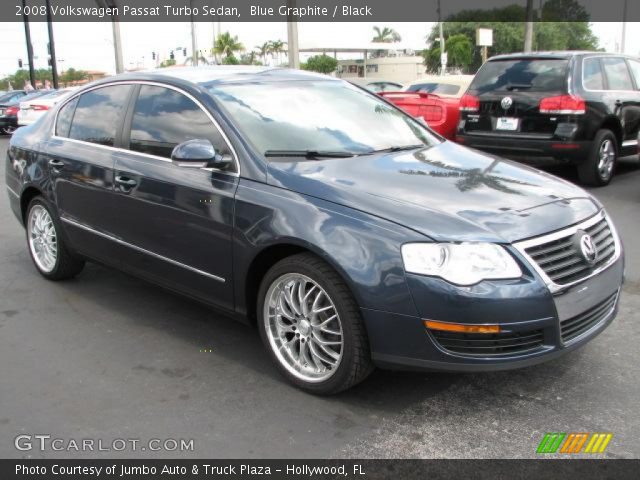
x=321, y=64
x=277, y=47
x=227, y=45
x=230, y=60
x=250, y=58
x=459, y=50
x=169, y=62
x=386, y=35
x=565, y=27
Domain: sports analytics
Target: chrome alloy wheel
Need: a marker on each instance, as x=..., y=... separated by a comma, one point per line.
x=43, y=240
x=303, y=327
x=606, y=159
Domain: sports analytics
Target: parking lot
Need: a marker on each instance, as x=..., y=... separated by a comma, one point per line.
x=108, y=356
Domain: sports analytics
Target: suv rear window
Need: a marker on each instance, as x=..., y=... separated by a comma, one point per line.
x=522, y=74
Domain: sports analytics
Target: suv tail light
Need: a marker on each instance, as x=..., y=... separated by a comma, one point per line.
x=11, y=111
x=469, y=103
x=39, y=107
x=563, y=105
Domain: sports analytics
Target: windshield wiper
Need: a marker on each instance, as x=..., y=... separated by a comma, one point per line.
x=396, y=148
x=311, y=154
x=518, y=86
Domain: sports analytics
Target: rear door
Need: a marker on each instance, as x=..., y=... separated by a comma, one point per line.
x=509, y=93
x=177, y=221
x=81, y=156
x=623, y=83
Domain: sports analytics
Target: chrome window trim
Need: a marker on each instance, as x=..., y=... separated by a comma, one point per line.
x=12, y=192
x=147, y=155
x=140, y=249
x=628, y=143
x=584, y=59
x=565, y=232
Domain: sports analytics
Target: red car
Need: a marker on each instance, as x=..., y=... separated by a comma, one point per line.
x=436, y=99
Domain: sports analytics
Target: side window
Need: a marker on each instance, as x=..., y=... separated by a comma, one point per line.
x=617, y=73
x=65, y=115
x=99, y=113
x=635, y=70
x=163, y=118
x=592, y=78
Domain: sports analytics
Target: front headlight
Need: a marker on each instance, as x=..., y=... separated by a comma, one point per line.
x=462, y=264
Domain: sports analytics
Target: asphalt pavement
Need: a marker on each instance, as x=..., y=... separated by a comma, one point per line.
x=107, y=356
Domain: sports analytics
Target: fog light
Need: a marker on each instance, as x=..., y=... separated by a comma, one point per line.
x=458, y=327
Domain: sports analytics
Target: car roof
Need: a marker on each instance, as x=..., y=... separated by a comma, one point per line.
x=222, y=74
x=452, y=79
x=561, y=54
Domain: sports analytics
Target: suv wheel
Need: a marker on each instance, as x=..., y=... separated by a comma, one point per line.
x=312, y=326
x=47, y=248
x=598, y=168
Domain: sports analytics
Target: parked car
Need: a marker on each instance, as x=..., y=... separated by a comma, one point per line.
x=583, y=107
x=435, y=99
x=9, y=111
x=377, y=86
x=32, y=110
x=341, y=226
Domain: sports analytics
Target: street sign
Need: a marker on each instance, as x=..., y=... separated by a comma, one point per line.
x=484, y=37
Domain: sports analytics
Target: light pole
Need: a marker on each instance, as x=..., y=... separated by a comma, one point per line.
x=27, y=34
x=528, y=27
x=292, y=38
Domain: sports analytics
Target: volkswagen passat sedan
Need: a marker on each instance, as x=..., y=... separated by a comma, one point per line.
x=346, y=230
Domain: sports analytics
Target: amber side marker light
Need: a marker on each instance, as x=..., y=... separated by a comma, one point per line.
x=457, y=327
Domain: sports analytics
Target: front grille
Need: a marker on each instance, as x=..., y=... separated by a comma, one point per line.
x=563, y=262
x=576, y=326
x=494, y=344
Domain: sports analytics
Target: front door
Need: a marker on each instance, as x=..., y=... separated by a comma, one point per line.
x=176, y=221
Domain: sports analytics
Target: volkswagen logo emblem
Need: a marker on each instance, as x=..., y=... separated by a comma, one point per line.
x=588, y=248
x=506, y=103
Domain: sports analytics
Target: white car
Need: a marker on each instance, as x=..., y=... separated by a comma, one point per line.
x=32, y=110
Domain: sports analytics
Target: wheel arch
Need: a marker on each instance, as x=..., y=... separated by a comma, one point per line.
x=612, y=123
x=272, y=254
x=26, y=196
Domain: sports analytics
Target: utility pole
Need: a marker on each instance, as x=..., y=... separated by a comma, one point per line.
x=52, y=47
x=292, y=38
x=624, y=26
x=443, y=54
x=194, y=42
x=117, y=45
x=528, y=27
x=27, y=34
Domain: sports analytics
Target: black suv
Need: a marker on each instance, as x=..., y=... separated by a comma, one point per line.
x=578, y=106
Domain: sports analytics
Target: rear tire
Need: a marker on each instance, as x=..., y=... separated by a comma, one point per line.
x=48, y=250
x=598, y=168
x=311, y=326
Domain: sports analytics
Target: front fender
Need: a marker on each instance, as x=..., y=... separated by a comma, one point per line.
x=363, y=249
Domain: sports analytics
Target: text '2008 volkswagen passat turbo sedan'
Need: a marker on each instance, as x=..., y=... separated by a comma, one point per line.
x=348, y=232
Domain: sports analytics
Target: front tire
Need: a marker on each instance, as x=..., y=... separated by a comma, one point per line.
x=47, y=248
x=312, y=326
x=598, y=168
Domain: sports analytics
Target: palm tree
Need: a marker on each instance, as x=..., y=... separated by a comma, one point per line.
x=277, y=47
x=386, y=35
x=264, y=50
x=227, y=45
x=201, y=59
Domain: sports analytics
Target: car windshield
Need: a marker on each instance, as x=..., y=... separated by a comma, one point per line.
x=318, y=116
x=531, y=75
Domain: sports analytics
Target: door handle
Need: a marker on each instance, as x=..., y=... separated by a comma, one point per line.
x=56, y=163
x=126, y=181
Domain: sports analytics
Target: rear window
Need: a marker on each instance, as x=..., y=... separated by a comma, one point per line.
x=523, y=74
x=435, y=88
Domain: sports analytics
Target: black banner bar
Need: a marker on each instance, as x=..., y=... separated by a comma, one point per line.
x=318, y=10
x=321, y=469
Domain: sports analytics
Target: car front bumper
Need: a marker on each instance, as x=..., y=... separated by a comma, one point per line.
x=520, y=308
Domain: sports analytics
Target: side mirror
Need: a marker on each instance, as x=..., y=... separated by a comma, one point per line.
x=198, y=153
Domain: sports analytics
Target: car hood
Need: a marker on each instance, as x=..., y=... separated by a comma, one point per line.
x=447, y=192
